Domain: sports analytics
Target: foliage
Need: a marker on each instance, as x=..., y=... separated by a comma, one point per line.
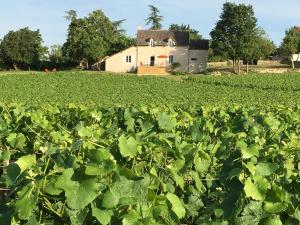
x=108, y=90
x=194, y=34
x=89, y=38
x=262, y=46
x=213, y=57
x=71, y=15
x=91, y=165
x=55, y=55
x=234, y=32
x=21, y=49
x=175, y=66
x=122, y=41
x=290, y=44
x=154, y=19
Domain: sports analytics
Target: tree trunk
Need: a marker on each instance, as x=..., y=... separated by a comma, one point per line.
x=238, y=67
x=15, y=66
x=247, y=67
x=234, y=65
x=292, y=60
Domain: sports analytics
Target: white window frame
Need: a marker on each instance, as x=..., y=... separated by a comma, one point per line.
x=128, y=59
x=151, y=43
x=171, y=43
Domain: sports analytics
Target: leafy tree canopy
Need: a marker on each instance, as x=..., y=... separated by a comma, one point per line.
x=21, y=49
x=91, y=38
x=290, y=44
x=234, y=32
x=55, y=54
x=154, y=19
x=122, y=41
x=194, y=34
x=261, y=46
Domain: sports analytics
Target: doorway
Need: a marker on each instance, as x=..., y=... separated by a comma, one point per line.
x=152, y=60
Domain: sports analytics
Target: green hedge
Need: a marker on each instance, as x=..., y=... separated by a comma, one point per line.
x=90, y=165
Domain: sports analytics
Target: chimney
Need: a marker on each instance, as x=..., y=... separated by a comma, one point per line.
x=139, y=27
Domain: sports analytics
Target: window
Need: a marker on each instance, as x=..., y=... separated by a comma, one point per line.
x=194, y=59
x=128, y=59
x=171, y=59
x=152, y=44
x=171, y=43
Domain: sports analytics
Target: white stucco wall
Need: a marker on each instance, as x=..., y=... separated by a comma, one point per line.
x=117, y=63
x=141, y=57
x=180, y=55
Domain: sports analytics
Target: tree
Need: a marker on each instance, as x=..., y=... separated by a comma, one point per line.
x=21, y=49
x=290, y=44
x=260, y=47
x=121, y=41
x=232, y=36
x=89, y=38
x=118, y=26
x=194, y=34
x=55, y=55
x=71, y=15
x=154, y=19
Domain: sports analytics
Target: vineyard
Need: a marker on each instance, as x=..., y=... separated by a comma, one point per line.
x=129, y=90
x=149, y=166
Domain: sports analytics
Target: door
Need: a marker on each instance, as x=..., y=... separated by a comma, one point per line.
x=152, y=60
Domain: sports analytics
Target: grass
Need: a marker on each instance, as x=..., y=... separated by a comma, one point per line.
x=111, y=90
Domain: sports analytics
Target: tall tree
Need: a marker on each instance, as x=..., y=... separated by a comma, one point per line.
x=154, y=19
x=231, y=38
x=89, y=38
x=21, y=49
x=122, y=41
x=194, y=34
x=118, y=26
x=290, y=44
x=260, y=47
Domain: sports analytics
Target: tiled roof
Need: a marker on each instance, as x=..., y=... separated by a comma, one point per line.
x=161, y=37
x=199, y=44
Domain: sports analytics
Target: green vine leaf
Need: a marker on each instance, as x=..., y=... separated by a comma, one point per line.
x=177, y=206
x=80, y=190
x=128, y=146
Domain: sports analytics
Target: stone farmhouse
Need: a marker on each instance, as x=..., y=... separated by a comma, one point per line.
x=157, y=50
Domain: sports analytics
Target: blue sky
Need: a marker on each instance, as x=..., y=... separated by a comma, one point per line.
x=273, y=15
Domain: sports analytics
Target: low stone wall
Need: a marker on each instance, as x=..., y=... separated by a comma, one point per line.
x=268, y=63
x=217, y=64
x=151, y=70
x=275, y=70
